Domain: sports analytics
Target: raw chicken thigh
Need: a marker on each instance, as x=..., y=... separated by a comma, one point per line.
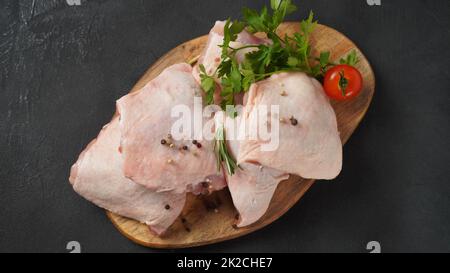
x=308, y=146
x=309, y=142
x=152, y=157
x=252, y=185
x=98, y=177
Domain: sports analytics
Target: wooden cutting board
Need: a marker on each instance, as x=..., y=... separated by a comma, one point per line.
x=211, y=219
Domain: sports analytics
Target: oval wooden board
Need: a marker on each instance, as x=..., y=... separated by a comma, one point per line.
x=210, y=219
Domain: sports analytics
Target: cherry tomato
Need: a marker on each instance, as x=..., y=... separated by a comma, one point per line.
x=343, y=82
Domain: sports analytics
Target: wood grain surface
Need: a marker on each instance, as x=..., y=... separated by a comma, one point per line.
x=210, y=219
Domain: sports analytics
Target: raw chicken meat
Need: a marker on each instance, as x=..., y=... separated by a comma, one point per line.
x=145, y=120
x=139, y=169
x=309, y=142
x=98, y=177
x=252, y=186
x=211, y=55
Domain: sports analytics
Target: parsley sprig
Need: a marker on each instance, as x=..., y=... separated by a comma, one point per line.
x=351, y=59
x=281, y=54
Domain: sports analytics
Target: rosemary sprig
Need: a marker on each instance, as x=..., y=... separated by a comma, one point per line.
x=222, y=153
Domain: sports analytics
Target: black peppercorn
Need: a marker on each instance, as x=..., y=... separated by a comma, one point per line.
x=163, y=142
x=167, y=207
x=194, y=142
x=185, y=147
x=294, y=121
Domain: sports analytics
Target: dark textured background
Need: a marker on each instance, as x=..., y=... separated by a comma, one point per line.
x=63, y=67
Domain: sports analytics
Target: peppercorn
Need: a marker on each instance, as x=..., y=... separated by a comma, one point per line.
x=163, y=142
x=167, y=207
x=294, y=121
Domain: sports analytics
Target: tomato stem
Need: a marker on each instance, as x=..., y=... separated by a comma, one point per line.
x=343, y=83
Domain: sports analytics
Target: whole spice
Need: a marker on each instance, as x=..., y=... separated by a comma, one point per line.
x=294, y=121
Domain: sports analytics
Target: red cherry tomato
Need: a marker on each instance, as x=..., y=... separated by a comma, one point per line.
x=343, y=82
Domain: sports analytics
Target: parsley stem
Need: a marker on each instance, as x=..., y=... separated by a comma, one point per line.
x=242, y=47
x=279, y=38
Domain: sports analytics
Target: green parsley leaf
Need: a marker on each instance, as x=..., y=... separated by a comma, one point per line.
x=256, y=22
x=265, y=22
x=274, y=4
x=324, y=59
x=292, y=61
x=281, y=9
x=230, y=34
x=307, y=26
x=248, y=75
x=351, y=59
x=208, y=84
